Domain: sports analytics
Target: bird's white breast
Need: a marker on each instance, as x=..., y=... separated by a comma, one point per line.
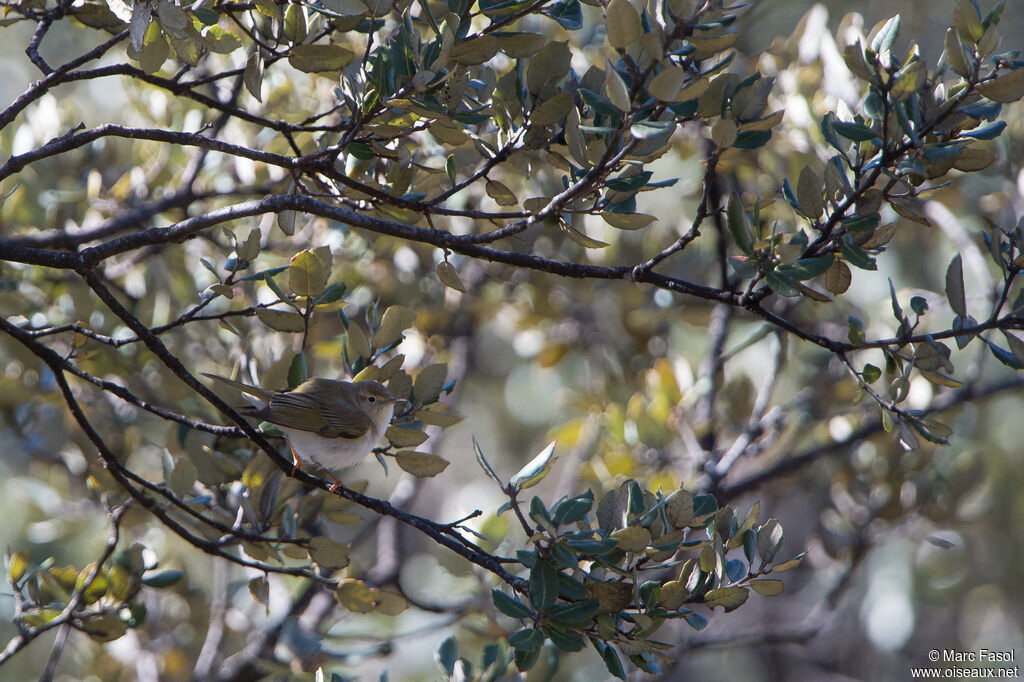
x=335, y=454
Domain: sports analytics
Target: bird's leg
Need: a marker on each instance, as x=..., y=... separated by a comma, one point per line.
x=335, y=485
x=296, y=464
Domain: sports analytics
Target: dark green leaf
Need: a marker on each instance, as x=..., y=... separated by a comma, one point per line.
x=870, y=373
x=363, y=152
x=897, y=310
x=1004, y=356
x=963, y=322
x=527, y=638
x=600, y=105
x=918, y=305
x=989, y=132
x=571, y=588
x=752, y=139
x=696, y=621
x=527, y=658
x=858, y=132
x=612, y=662
x=593, y=547
x=781, y=284
x=297, y=370
x=829, y=133
x=564, y=640
x=332, y=293
x=447, y=654
x=578, y=614
x=955, y=286
x=790, y=196
x=563, y=557
x=538, y=512
x=855, y=256
x=265, y=274
x=570, y=510
x=805, y=268
x=543, y=585
x=735, y=570
x=568, y=13
x=629, y=183
x=510, y=606
x=206, y=16
x=703, y=505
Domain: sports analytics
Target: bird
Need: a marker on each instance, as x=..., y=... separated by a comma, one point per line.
x=333, y=424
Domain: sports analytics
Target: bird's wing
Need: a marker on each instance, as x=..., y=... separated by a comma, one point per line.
x=298, y=409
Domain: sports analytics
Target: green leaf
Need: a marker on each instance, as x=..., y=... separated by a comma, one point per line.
x=886, y=35
x=829, y=133
x=855, y=256
x=572, y=509
x=858, y=132
x=447, y=654
x=806, y=268
x=510, y=606
x=333, y=292
x=421, y=464
x=1006, y=89
x=781, y=284
x=449, y=277
x=207, y=16
x=564, y=640
x=629, y=183
x=576, y=615
x=526, y=638
x=535, y=471
x=327, y=553
x=543, y=585
x=394, y=322
x=612, y=662
x=308, y=273
x=297, y=371
x=809, y=194
x=361, y=151
x=967, y=20
x=989, y=132
x=317, y=58
x=736, y=218
x=281, y=321
x=430, y=382
x=1004, y=356
x=485, y=465
x=601, y=106
x=627, y=221
x=568, y=13
x=767, y=587
x=731, y=598
x=955, y=54
x=622, y=23
x=897, y=311
x=870, y=373
x=769, y=540
x=580, y=238
x=665, y=86
x=593, y=547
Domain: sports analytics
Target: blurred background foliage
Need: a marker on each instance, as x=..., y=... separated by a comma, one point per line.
x=909, y=550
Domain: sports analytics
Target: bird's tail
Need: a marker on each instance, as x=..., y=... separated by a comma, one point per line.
x=254, y=391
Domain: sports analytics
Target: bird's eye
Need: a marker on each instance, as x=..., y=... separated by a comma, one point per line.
x=371, y=399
